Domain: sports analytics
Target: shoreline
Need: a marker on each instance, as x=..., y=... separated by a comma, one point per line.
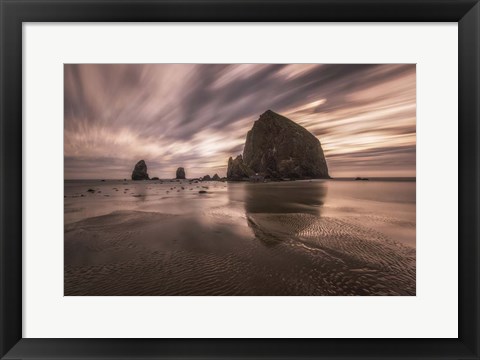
x=410, y=179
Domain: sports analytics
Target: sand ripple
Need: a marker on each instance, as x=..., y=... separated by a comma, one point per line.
x=148, y=253
x=351, y=259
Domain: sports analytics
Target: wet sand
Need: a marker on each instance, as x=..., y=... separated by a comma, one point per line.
x=321, y=237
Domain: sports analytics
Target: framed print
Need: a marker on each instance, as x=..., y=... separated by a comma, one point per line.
x=239, y=179
x=275, y=192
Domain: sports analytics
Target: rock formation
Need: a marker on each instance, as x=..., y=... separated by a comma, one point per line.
x=277, y=147
x=216, y=177
x=206, y=178
x=140, y=171
x=237, y=170
x=180, y=173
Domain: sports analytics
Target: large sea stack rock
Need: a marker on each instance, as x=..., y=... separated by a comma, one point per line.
x=277, y=147
x=237, y=170
x=180, y=173
x=140, y=171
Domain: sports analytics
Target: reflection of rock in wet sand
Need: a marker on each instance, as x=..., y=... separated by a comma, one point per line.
x=280, y=198
x=285, y=197
x=346, y=257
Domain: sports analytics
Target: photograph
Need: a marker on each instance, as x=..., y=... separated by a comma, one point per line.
x=239, y=179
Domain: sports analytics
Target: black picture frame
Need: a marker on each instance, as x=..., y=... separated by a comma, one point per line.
x=15, y=12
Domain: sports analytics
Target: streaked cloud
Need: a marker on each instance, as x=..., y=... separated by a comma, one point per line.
x=196, y=116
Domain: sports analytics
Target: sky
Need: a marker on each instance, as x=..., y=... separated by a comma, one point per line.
x=197, y=116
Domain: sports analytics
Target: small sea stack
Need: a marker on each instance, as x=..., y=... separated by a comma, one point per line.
x=180, y=173
x=140, y=171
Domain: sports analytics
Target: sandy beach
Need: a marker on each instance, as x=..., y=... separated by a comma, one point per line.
x=320, y=237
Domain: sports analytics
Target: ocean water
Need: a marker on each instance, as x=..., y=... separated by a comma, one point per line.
x=319, y=237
